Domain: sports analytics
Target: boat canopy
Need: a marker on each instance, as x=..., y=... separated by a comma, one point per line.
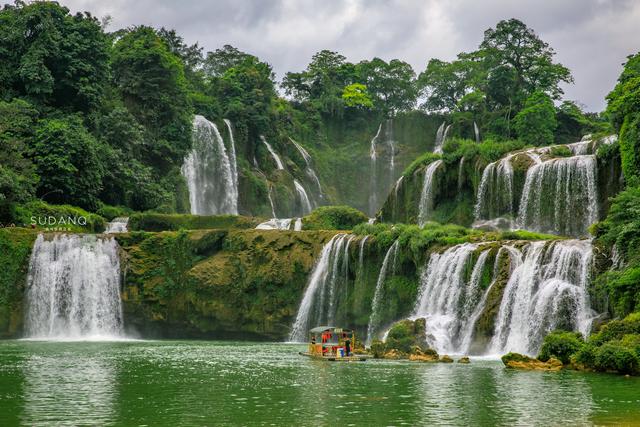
x=333, y=329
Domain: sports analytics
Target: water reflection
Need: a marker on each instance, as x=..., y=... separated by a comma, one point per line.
x=68, y=389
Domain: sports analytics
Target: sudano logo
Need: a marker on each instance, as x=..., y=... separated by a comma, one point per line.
x=51, y=221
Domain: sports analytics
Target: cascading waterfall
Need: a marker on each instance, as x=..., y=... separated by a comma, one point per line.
x=426, y=196
x=117, y=225
x=311, y=173
x=374, y=319
x=373, y=181
x=392, y=149
x=321, y=296
x=560, y=196
x=476, y=132
x=437, y=145
x=208, y=171
x=273, y=153
x=547, y=291
x=273, y=208
x=495, y=193
x=305, y=204
x=232, y=153
x=275, y=224
x=73, y=288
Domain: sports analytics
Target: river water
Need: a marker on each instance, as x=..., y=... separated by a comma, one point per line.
x=201, y=383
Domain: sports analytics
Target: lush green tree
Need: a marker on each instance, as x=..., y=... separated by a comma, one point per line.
x=69, y=162
x=151, y=81
x=219, y=61
x=391, y=85
x=17, y=174
x=356, y=95
x=444, y=84
x=51, y=57
x=537, y=121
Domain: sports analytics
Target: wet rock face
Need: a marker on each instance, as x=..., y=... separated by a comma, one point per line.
x=520, y=361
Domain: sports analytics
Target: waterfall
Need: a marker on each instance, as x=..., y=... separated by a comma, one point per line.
x=374, y=319
x=207, y=169
x=495, y=193
x=321, y=296
x=232, y=154
x=426, y=196
x=309, y=170
x=73, y=288
x=392, y=148
x=361, y=254
x=373, y=182
x=460, y=173
x=305, y=204
x=476, y=132
x=117, y=225
x=560, y=196
x=297, y=226
x=273, y=153
x=273, y=208
x=275, y=224
x=547, y=291
x=437, y=146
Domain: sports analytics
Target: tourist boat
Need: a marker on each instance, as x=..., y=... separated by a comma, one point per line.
x=332, y=344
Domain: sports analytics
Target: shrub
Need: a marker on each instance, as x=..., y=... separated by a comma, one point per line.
x=560, y=151
x=169, y=222
x=421, y=161
x=561, y=345
x=613, y=356
x=333, y=218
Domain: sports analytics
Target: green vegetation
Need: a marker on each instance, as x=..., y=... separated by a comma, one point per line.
x=44, y=215
x=168, y=222
x=333, y=218
x=561, y=345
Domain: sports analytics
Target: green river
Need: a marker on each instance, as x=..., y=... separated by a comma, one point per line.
x=203, y=383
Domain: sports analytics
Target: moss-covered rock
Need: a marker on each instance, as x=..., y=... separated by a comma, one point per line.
x=520, y=361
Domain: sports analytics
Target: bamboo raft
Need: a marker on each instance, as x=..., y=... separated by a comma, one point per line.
x=331, y=344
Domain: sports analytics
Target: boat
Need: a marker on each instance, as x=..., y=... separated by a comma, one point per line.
x=332, y=344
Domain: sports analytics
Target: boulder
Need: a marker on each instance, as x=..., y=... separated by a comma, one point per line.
x=464, y=360
x=446, y=359
x=520, y=361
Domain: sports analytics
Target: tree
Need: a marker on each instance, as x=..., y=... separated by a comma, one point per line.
x=391, y=85
x=152, y=84
x=537, y=121
x=52, y=58
x=219, y=61
x=69, y=162
x=356, y=95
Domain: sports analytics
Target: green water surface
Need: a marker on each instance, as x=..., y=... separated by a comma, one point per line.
x=175, y=383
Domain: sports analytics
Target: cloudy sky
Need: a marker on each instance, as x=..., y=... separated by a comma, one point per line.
x=591, y=37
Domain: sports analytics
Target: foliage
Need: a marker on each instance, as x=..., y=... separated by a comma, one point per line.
x=165, y=222
x=356, y=95
x=29, y=213
x=560, y=151
x=561, y=345
x=535, y=123
x=421, y=161
x=333, y=218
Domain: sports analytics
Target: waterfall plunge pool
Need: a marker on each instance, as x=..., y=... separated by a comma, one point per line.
x=241, y=383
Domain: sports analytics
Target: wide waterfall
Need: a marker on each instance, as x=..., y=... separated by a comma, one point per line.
x=322, y=295
x=426, y=196
x=374, y=319
x=73, y=288
x=547, y=291
x=210, y=176
x=560, y=196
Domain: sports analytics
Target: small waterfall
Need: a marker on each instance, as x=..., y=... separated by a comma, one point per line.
x=396, y=188
x=297, y=226
x=73, y=288
x=275, y=224
x=361, y=254
x=373, y=182
x=460, y=173
x=437, y=146
x=273, y=153
x=392, y=149
x=309, y=170
x=426, y=196
x=305, y=204
x=208, y=171
x=495, y=194
x=547, y=291
x=476, y=132
x=374, y=319
x=232, y=153
x=117, y=225
x=560, y=196
x=273, y=208
x=321, y=297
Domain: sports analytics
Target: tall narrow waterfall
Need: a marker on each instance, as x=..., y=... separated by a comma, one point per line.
x=374, y=319
x=232, y=153
x=321, y=296
x=273, y=153
x=305, y=203
x=426, y=196
x=208, y=171
x=547, y=291
x=476, y=132
x=373, y=179
x=73, y=288
x=437, y=145
x=311, y=173
x=560, y=196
